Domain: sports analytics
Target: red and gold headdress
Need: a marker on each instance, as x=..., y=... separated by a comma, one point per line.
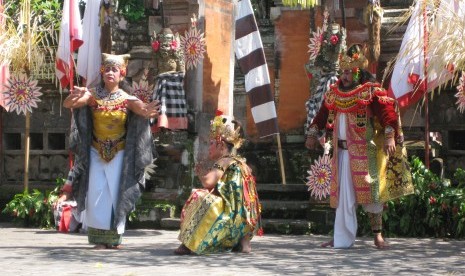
x=353, y=60
x=354, y=57
x=120, y=61
x=222, y=128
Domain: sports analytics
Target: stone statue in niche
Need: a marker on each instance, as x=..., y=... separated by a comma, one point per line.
x=168, y=59
x=167, y=53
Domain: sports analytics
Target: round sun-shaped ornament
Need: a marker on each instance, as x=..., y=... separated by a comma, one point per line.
x=193, y=45
x=315, y=43
x=22, y=94
x=461, y=93
x=142, y=90
x=319, y=177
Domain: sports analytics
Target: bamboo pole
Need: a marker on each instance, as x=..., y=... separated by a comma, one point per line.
x=426, y=101
x=71, y=76
x=26, y=151
x=343, y=11
x=281, y=161
x=27, y=137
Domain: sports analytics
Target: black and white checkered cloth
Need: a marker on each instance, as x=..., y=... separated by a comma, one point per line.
x=314, y=103
x=169, y=90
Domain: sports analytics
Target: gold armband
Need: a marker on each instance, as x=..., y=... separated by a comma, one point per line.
x=389, y=132
x=218, y=166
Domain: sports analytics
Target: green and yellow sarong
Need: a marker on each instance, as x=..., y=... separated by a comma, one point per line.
x=215, y=221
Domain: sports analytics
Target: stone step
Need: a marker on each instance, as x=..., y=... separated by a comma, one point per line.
x=285, y=209
x=391, y=12
x=283, y=192
x=284, y=205
x=161, y=194
x=265, y=187
x=287, y=226
x=170, y=223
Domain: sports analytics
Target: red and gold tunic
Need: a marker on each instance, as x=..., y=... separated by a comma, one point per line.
x=368, y=111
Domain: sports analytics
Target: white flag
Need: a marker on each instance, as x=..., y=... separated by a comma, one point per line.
x=408, y=83
x=89, y=56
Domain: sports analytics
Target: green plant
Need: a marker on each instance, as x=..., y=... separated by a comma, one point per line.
x=132, y=10
x=143, y=208
x=34, y=209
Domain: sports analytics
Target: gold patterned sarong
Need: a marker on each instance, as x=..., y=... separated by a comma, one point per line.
x=215, y=221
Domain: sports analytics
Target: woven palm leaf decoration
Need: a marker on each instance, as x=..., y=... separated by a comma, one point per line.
x=304, y=4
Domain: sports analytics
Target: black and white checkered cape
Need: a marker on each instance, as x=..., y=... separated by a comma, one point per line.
x=314, y=103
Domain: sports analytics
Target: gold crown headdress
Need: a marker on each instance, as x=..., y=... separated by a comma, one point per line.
x=121, y=61
x=353, y=58
x=222, y=129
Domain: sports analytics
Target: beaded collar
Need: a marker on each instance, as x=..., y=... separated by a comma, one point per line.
x=349, y=101
x=103, y=98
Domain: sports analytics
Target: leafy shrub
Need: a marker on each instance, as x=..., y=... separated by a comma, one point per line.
x=34, y=209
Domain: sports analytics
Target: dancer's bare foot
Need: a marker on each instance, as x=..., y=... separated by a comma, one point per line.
x=182, y=250
x=246, y=247
x=100, y=247
x=328, y=244
x=379, y=242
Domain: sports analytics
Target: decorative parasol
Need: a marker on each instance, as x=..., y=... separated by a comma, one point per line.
x=319, y=177
x=22, y=94
x=193, y=45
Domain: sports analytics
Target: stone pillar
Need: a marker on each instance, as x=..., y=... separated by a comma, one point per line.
x=218, y=65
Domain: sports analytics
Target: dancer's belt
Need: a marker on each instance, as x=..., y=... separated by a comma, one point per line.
x=342, y=144
x=108, y=148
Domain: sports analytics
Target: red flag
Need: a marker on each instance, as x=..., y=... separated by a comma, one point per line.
x=70, y=40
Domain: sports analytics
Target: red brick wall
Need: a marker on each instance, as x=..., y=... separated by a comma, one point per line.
x=219, y=20
x=292, y=38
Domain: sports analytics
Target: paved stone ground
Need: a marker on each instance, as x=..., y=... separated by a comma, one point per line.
x=26, y=251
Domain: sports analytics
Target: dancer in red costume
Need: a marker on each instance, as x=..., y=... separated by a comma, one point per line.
x=368, y=168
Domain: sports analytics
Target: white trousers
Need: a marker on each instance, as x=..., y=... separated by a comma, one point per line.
x=345, y=225
x=102, y=195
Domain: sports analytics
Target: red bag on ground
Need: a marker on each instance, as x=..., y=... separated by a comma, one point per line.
x=65, y=219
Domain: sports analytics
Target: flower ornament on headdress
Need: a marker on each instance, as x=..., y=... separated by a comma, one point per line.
x=120, y=61
x=222, y=129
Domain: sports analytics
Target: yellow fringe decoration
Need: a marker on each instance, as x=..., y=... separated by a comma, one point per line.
x=304, y=4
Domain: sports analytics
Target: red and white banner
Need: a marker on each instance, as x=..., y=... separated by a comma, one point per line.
x=69, y=41
x=89, y=56
x=408, y=83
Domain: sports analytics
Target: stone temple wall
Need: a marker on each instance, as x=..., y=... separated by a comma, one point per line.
x=49, y=131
